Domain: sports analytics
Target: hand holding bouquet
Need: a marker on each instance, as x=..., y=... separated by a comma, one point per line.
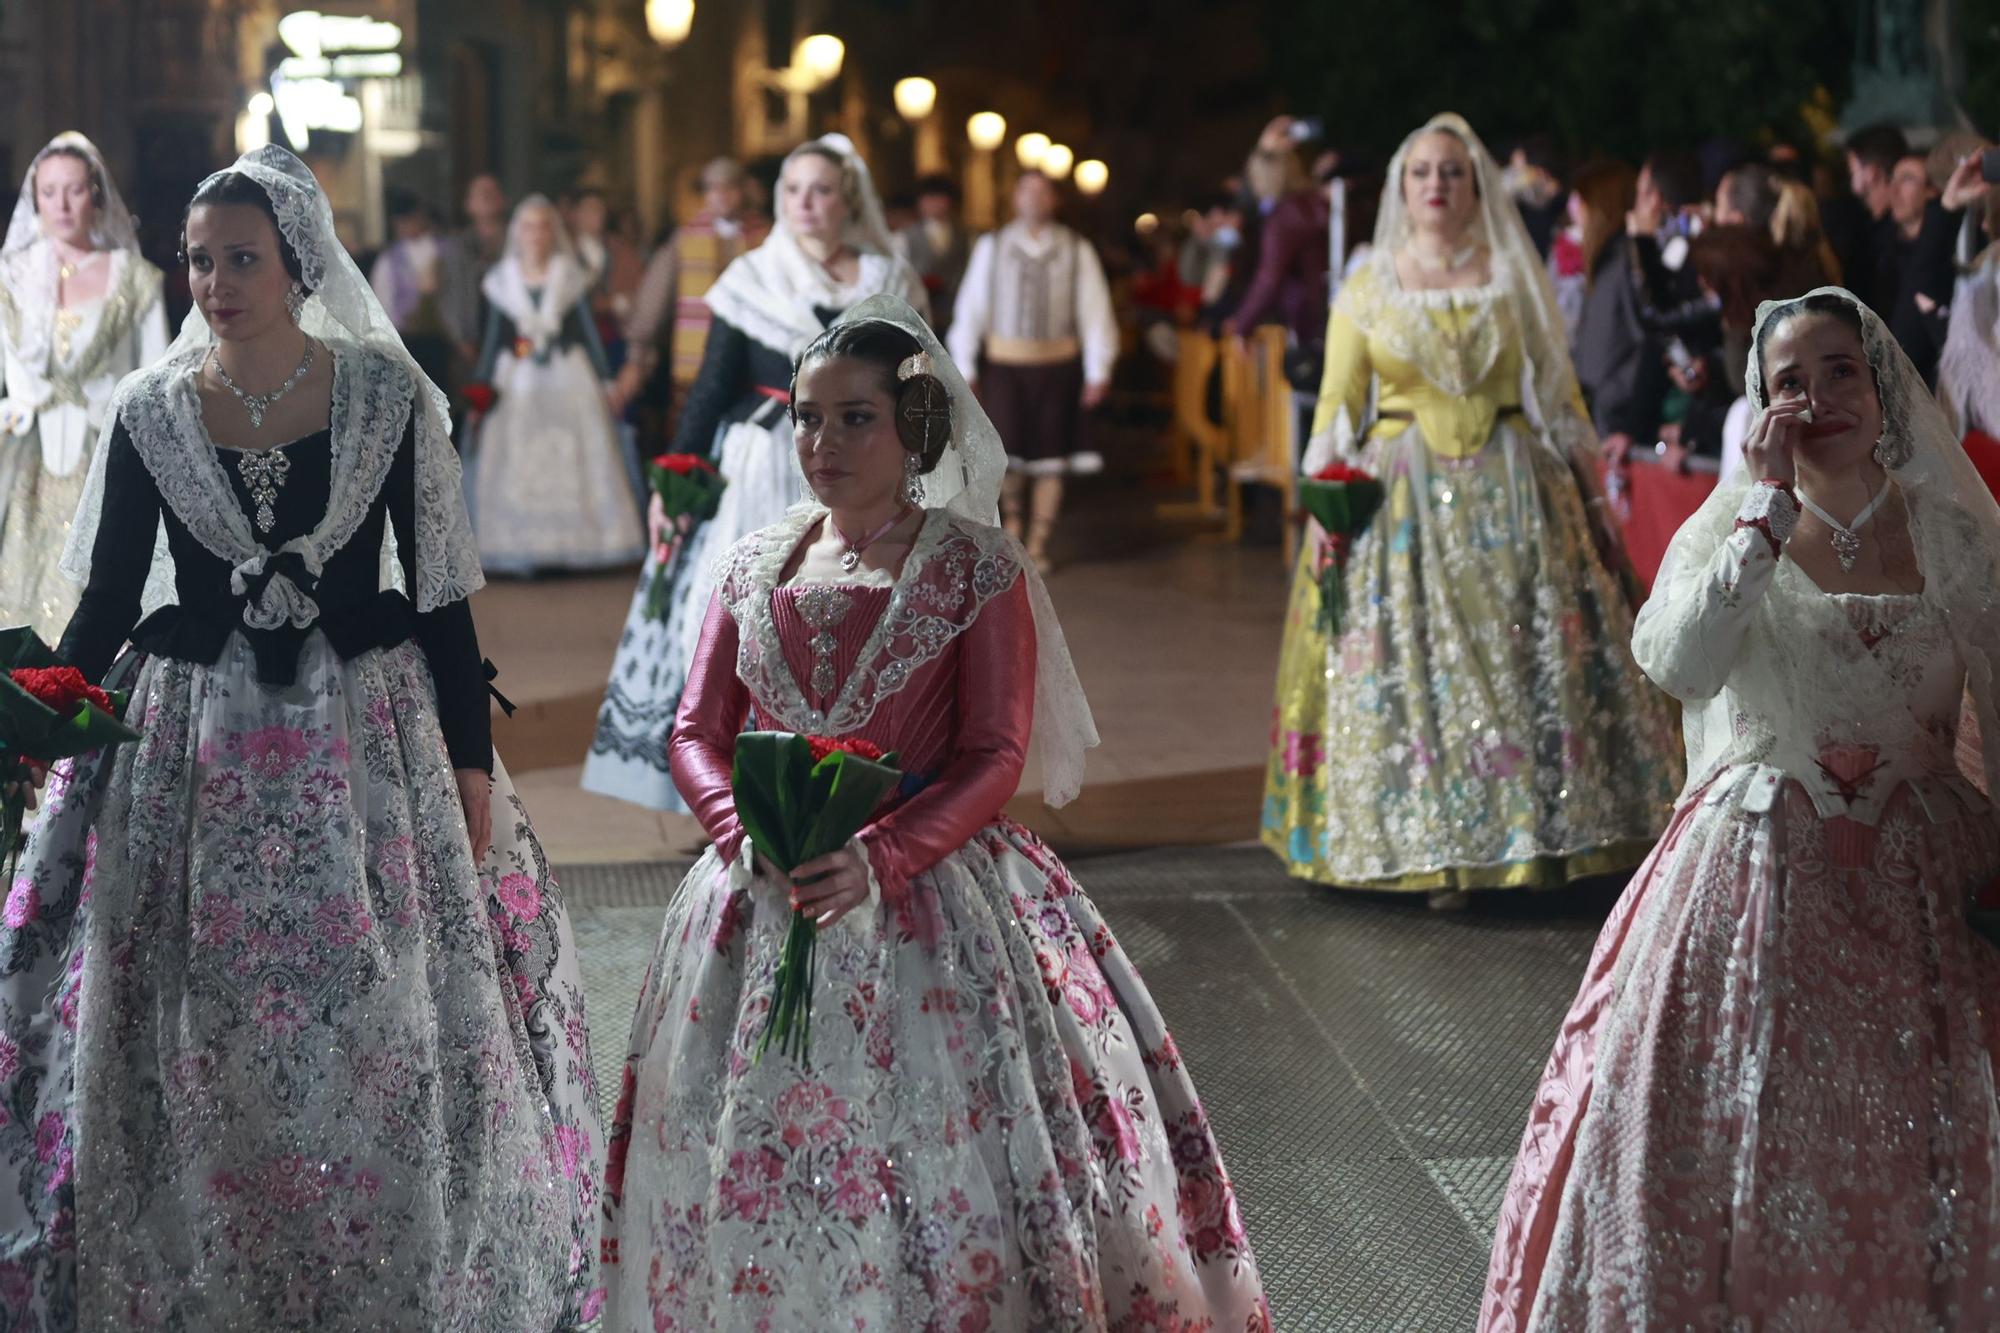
x=800, y=798
x=1343, y=500
x=689, y=489
x=48, y=711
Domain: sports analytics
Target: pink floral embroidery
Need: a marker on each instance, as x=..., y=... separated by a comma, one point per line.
x=272, y=752
x=1302, y=753
x=24, y=904
x=521, y=895
x=278, y=1012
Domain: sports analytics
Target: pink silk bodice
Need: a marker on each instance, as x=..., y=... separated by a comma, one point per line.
x=961, y=722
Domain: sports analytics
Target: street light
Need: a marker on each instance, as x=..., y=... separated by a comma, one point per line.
x=1092, y=176
x=668, y=21
x=916, y=98
x=1028, y=149
x=986, y=130
x=1056, y=159
x=819, y=58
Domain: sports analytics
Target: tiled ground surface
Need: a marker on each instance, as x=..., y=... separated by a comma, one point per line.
x=1368, y=1064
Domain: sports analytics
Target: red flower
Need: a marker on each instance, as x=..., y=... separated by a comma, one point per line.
x=1340, y=472
x=478, y=397
x=61, y=688
x=523, y=349
x=683, y=463
x=822, y=746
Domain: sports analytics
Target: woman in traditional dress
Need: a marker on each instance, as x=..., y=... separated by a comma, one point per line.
x=829, y=250
x=1773, y=1105
x=549, y=485
x=994, y=1128
x=79, y=309
x=291, y=1027
x=1478, y=723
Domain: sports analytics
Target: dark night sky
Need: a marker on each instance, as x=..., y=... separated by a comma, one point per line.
x=1171, y=92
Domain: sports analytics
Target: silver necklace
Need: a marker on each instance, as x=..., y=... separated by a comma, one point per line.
x=257, y=404
x=1847, y=536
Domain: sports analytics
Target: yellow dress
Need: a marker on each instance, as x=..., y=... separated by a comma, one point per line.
x=1479, y=721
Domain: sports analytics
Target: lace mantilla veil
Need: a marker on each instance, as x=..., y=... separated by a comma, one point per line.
x=564, y=285
x=27, y=262
x=1954, y=529
x=769, y=292
x=376, y=387
x=1382, y=309
x=966, y=483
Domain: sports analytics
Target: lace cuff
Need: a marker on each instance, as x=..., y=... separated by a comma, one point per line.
x=1772, y=509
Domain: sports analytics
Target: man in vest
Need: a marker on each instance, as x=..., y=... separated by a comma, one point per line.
x=1034, y=330
x=668, y=316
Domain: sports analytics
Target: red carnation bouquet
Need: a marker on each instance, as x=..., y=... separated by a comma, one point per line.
x=48, y=711
x=1343, y=499
x=479, y=398
x=688, y=486
x=800, y=798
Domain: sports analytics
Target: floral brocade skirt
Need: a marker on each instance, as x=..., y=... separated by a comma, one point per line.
x=995, y=1131
x=1772, y=1105
x=1478, y=722
x=35, y=517
x=275, y=1054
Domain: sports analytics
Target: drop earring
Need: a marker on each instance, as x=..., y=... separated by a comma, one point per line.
x=295, y=301
x=913, y=481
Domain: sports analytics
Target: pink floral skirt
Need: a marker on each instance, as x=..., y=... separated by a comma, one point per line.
x=1772, y=1105
x=275, y=1052
x=996, y=1130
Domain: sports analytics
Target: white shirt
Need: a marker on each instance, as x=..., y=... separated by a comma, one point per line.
x=973, y=317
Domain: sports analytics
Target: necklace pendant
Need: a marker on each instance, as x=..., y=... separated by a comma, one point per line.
x=1846, y=545
x=848, y=560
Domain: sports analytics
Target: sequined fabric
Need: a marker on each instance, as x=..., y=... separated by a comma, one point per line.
x=996, y=1130
x=1772, y=1105
x=33, y=589
x=1480, y=722
x=274, y=1054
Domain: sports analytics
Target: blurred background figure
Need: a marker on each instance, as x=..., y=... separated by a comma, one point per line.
x=1037, y=332
x=408, y=280
x=546, y=481
x=79, y=309
x=937, y=246
x=468, y=255
x=666, y=332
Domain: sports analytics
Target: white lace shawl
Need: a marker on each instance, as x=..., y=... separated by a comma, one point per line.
x=770, y=293
x=954, y=569
x=372, y=367
x=563, y=286
x=373, y=396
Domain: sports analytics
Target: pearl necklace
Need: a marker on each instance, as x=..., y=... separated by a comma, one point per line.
x=1847, y=536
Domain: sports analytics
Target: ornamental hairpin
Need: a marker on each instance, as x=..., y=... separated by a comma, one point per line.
x=915, y=364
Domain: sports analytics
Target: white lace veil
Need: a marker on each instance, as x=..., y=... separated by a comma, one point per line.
x=966, y=482
x=341, y=311
x=774, y=292
x=1515, y=261
x=1954, y=528
x=867, y=225
x=565, y=284
x=29, y=263
x=115, y=229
